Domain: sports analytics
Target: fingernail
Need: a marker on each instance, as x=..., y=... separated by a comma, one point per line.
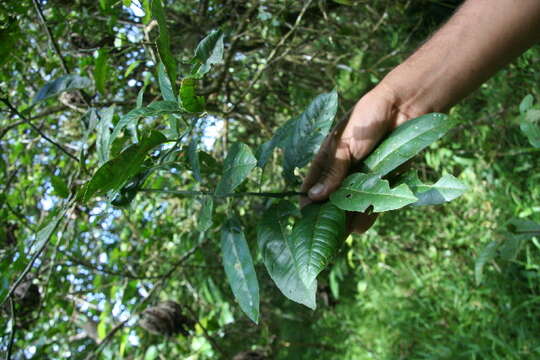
x=316, y=190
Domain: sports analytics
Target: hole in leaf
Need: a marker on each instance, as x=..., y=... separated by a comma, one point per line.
x=348, y=196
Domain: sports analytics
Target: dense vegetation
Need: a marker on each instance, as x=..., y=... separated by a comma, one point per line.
x=122, y=204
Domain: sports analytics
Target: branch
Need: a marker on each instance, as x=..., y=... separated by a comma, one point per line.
x=29, y=266
x=36, y=129
x=12, y=335
x=121, y=324
x=232, y=51
x=50, y=36
x=56, y=48
x=272, y=54
x=188, y=193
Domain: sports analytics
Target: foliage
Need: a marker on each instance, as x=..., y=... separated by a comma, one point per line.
x=129, y=179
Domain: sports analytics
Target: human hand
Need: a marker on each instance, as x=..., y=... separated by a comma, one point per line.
x=375, y=114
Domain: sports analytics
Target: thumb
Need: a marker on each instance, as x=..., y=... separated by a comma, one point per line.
x=333, y=173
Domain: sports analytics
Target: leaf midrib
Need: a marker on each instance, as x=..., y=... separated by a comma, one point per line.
x=417, y=135
x=378, y=194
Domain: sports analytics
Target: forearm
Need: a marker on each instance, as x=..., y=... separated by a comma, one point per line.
x=482, y=37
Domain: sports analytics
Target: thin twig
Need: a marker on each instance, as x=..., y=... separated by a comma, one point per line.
x=206, y=334
x=12, y=335
x=30, y=264
x=56, y=47
x=9, y=127
x=36, y=129
x=232, y=51
x=51, y=37
x=121, y=324
x=273, y=53
x=277, y=195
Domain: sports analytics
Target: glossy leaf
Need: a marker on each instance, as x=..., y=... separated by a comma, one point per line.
x=446, y=189
x=114, y=173
x=60, y=85
x=237, y=166
x=164, y=43
x=407, y=141
x=360, y=191
x=101, y=70
x=307, y=132
x=165, y=84
x=209, y=52
x=315, y=239
x=193, y=158
x=272, y=238
x=264, y=151
x=103, y=138
x=191, y=102
x=205, y=216
x=239, y=268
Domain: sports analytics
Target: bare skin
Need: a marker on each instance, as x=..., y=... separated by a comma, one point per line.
x=478, y=40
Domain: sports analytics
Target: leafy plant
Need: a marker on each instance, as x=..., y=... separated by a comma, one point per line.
x=296, y=246
x=518, y=232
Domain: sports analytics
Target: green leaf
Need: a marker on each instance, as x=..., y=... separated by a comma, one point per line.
x=316, y=238
x=205, y=216
x=128, y=192
x=446, y=189
x=45, y=233
x=104, y=5
x=140, y=94
x=147, y=12
x=308, y=132
x=360, y=191
x=60, y=85
x=103, y=138
x=239, y=268
x=209, y=52
x=165, y=84
x=264, y=151
x=511, y=246
x=162, y=107
x=523, y=227
x=191, y=102
x=530, y=126
x=10, y=33
x=164, y=43
x=154, y=109
x=487, y=254
x=526, y=104
x=237, y=166
x=272, y=238
x=407, y=141
x=100, y=71
x=60, y=187
x=131, y=67
x=114, y=173
x=193, y=158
